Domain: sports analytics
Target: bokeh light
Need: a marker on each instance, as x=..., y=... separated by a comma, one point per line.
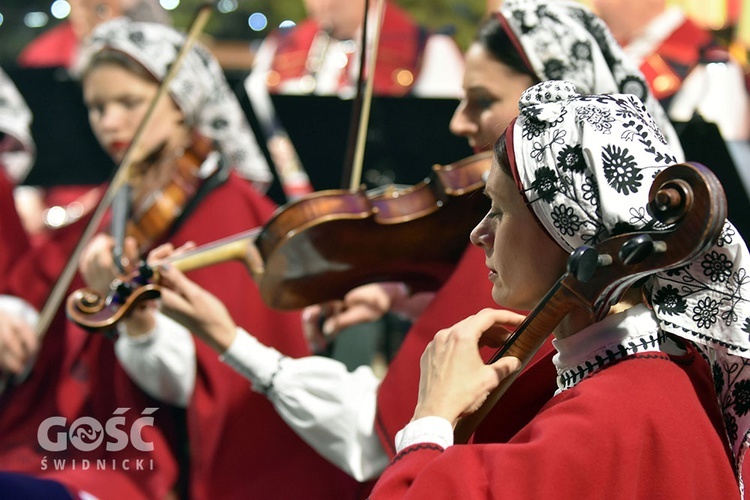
x=35, y=19
x=257, y=21
x=226, y=6
x=60, y=9
x=169, y=4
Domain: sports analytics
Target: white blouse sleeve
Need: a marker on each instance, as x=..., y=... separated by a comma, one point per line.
x=331, y=408
x=162, y=362
x=435, y=430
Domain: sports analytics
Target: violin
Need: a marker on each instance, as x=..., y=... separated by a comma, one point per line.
x=154, y=212
x=319, y=247
x=686, y=197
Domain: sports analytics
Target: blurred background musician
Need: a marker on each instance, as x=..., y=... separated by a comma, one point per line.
x=689, y=70
x=238, y=446
x=321, y=55
x=58, y=46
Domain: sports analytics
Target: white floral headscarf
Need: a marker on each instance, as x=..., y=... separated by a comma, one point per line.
x=564, y=40
x=585, y=165
x=199, y=88
x=17, y=149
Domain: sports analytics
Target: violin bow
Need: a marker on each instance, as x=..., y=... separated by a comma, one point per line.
x=119, y=178
x=361, y=107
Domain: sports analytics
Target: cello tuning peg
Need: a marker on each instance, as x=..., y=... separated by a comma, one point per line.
x=638, y=248
x=584, y=261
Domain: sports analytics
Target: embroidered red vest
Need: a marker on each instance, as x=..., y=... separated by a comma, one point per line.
x=676, y=57
x=399, y=53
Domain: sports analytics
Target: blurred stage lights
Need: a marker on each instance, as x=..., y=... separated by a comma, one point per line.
x=226, y=6
x=257, y=21
x=60, y=9
x=169, y=4
x=35, y=19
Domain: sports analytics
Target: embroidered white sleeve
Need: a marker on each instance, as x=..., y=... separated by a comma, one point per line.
x=162, y=362
x=329, y=407
x=436, y=430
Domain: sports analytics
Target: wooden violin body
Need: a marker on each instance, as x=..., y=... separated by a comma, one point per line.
x=320, y=247
x=154, y=212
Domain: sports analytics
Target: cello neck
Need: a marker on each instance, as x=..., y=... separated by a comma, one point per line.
x=523, y=344
x=236, y=247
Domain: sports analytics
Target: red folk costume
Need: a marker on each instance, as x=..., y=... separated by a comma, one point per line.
x=465, y=293
x=590, y=442
x=639, y=412
x=13, y=238
x=676, y=56
x=239, y=446
x=400, y=52
x=76, y=375
x=529, y=26
x=55, y=47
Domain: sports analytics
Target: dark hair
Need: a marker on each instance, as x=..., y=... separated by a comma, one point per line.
x=501, y=154
x=118, y=58
x=493, y=36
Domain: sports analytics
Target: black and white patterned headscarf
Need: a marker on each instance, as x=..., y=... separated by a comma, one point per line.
x=564, y=40
x=585, y=164
x=199, y=88
x=17, y=149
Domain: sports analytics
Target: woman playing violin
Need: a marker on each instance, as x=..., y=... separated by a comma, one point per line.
x=636, y=414
x=351, y=418
x=228, y=427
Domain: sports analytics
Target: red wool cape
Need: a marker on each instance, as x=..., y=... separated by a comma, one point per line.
x=646, y=427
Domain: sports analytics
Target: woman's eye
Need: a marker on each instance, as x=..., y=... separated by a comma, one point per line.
x=485, y=103
x=494, y=213
x=132, y=102
x=480, y=103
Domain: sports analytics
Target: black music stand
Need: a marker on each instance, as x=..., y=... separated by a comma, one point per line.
x=67, y=151
x=406, y=136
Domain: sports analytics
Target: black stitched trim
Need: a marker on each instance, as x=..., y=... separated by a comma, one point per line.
x=570, y=377
x=702, y=336
x=416, y=447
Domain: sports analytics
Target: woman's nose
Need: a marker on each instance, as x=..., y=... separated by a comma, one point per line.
x=460, y=124
x=480, y=235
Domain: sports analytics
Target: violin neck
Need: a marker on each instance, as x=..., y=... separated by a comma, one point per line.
x=238, y=247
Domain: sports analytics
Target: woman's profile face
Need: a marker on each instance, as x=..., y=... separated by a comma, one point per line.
x=523, y=261
x=117, y=101
x=491, y=93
